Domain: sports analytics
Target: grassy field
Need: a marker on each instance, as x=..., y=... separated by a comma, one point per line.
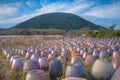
x=23, y=42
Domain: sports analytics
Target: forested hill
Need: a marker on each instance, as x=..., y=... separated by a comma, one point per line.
x=62, y=21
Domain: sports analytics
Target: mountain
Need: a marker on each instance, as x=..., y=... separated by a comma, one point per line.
x=63, y=21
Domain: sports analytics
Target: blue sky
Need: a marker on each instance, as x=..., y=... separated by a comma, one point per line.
x=101, y=12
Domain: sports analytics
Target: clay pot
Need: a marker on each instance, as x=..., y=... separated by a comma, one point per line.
x=51, y=56
x=85, y=55
x=115, y=48
x=75, y=71
x=96, y=53
x=64, y=50
x=37, y=51
x=31, y=65
x=54, y=52
x=75, y=55
x=116, y=54
x=13, y=57
x=63, y=59
x=17, y=64
x=9, y=56
x=90, y=60
x=103, y=54
x=110, y=51
x=55, y=69
x=74, y=78
x=35, y=56
x=76, y=60
x=32, y=50
x=116, y=75
x=23, y=52
x=43, y=54
x=6, y=52
x=28, y=55
x=36, y=75
x=43, y=63
x=102, y=70
x=65, y=55
x=115, y=63
x=81, y=52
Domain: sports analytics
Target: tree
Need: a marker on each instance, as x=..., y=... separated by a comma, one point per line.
x=112, y=27
x=89, y=33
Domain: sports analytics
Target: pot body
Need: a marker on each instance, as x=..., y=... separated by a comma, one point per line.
x=36, y=75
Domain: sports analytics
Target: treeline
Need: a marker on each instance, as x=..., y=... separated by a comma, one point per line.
x=32, y=32
x=103, y=33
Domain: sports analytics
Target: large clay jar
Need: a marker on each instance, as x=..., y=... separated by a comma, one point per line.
x=37, y=51
x=31, y=65
x=9, y=56
x=43, y=63
x=65, y=54
x=103, y=54
x=6, y=52
x=81, y=52
x=85, y=55
x=102, y=70
x=36, y=75
x=23, y=52
x=74, y=78
x=115, y=48
x=115, y=63
x=116, y=75
x=110, y=51
x=90, y=60
x=55, y=69
x=76, y=60
x=43, y=54
x=63, y=59
x=13, y=57
x=73, y=70
x=51, y=57
x=75, y=54
x=17, y=64
x=96, y=53
x=116, y=54
x=28, y=55
x=35, y=56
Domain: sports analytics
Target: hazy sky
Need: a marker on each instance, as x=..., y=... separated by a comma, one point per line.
x=102, y=12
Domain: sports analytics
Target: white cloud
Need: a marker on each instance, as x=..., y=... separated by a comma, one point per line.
x=74, y=7
x=106, y=11
x=8, y=10
x=78, y=7
x=29, y=3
